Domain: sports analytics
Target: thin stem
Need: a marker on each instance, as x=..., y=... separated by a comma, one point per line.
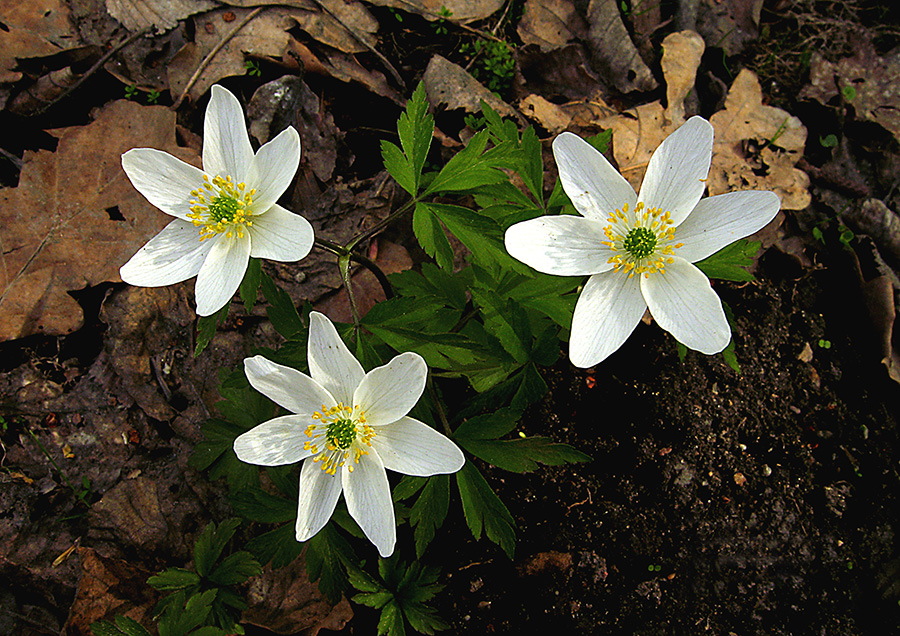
x=438, y=405
x=344, y=266
x=52, y=461
x=362, y=236
x=368, y=263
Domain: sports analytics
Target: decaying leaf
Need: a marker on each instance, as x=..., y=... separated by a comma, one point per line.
x=551, y=25
x=552, y=117
x=162, y=15
x=614, y=54
x=729, y=24
x=681, y=58
x=462, y=11
x=872, y=84
x=266, y=35
x=36, y=28
x=74, y=218
x=757, y=147
x=450, y=84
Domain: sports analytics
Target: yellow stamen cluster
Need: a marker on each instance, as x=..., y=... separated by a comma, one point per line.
x=341, y=439
x=643, y=240
x=221, y=206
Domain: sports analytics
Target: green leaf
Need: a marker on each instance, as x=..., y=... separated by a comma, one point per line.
x=482, y=235
x=471, y=167
x=601, y=141
x=431, y=236
x=209, y=545
x=433, y=283
x=729, y=262
x=123, y=626
x=206, y=327
x=524, y=454
x=258, y=505
x=278, y=546
x=391, y=621
x=282, y=311
x=730, y=357
x=430, y=510
x=416, y=130
x=505, y=319
x=423, y=619
x=489, y=426
x=235, y=569
x=326, y=553
x=398, y=166
x=407, y=487
x=484, y=511
x=174, y=579
x=250, y=285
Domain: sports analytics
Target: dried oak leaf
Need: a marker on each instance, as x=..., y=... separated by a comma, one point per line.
x=451, y=85
x=681, y=58
x=74, y=218
x=614, y=54
x=137, y=15
x=551, y=25
x=874, y=80
x=36, y=28
x=757, y=147
x=461, y=11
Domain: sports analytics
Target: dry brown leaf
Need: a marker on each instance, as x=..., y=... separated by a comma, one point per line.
x=451, y=85
x=162, y=15
x=35, y=28
x=636, y=134
x=74, y=218
x=551, y=25
x=681, y=58
x=553, y=118
x=462, y=11
x=729, y=24
x=875, y=80
x=107, y=588
x=746, y=124
x=614, y=54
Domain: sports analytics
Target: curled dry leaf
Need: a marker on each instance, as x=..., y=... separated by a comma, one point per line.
x=553, y=118
x=462, y=11
x=451, y=85
x=614, y=54
x=162, y=15
x=681, y=58
x=551, y=25
x=75, y=218
x=36, y=28
x=757, y=147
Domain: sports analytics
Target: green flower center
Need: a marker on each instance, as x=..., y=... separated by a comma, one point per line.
x=640, y=242
x=221, y=206
x=341, y=439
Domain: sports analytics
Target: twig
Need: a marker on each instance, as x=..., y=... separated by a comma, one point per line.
x=368, y=263
x=218, y=47
x=362, y=236
x=442, y=416
x=97, y=66
x=359, y=38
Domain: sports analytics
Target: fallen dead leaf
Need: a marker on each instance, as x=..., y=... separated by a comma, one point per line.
x=553, y=118
x=36, y=28
x=681, y=58
x=74, y=218
x=162, y=15
x=729, y=24
x=636, y=134
x=551, y=25
x=462, y=11
x=614, y=54
x=451, y=85
x=757, y=147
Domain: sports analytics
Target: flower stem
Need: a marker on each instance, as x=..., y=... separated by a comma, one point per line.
x=368, y=263
x=438, y=405
x=362, y=236
x=344, y=266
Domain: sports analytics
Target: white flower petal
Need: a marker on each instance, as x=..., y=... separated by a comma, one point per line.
x=280, y=235
x=608, y=310
x=319, y=492
x=330, y=362
x=594, y=186
x=226, y=144
x=273, y=168
x=561, y=245
x=369, y=502
x=221, y=273
x=389, y=392
x=274, y=443
x=676, y=176
x=173, y=255
x=164, y=180
x=683, y=303
x=721, y=220
x=287, y=387
x=412, y=447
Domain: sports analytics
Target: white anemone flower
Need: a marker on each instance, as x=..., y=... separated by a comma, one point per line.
x=639, y=249
x=224, y=214
x=347, y=426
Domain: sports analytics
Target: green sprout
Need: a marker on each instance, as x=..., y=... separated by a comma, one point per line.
x=253, y=68
x=440, y=26
x=849, y=93
x=829, y=141
x=131, y=91
x=494, y=63
x=824, y=344
x=153, y=96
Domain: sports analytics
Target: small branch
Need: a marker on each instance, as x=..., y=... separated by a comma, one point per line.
x=369, y=264
x=96, y=67
x=362, y=236
x=206, y=60
x=344, y=266
x=439, y=406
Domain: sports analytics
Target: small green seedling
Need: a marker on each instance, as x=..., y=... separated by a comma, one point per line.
x=849, y=93
x=253, y=68
x=824, y=344
x=131, y=91
x=153, y=96
x=829, y=141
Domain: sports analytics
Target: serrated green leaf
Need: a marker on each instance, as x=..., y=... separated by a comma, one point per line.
x=484, y=511
x=430, y=510
x=206, y=327
x=258, y=505
x=601, y=141
x=250, y=285
x=433, y=283
x=391, y=621
x=471, y=167
x=431, y=237
x=407, y=487
x=326, y=553
x=505, y=319
x=174, y=579
x=235, y=569
x=480, y=234
x=489, y=425
x=281, y=310
x=209, y=545
x=123, y=626
x=729, y=262
x=278, y=546
x=524, y=454
x=423, y=619
x=398, y=166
